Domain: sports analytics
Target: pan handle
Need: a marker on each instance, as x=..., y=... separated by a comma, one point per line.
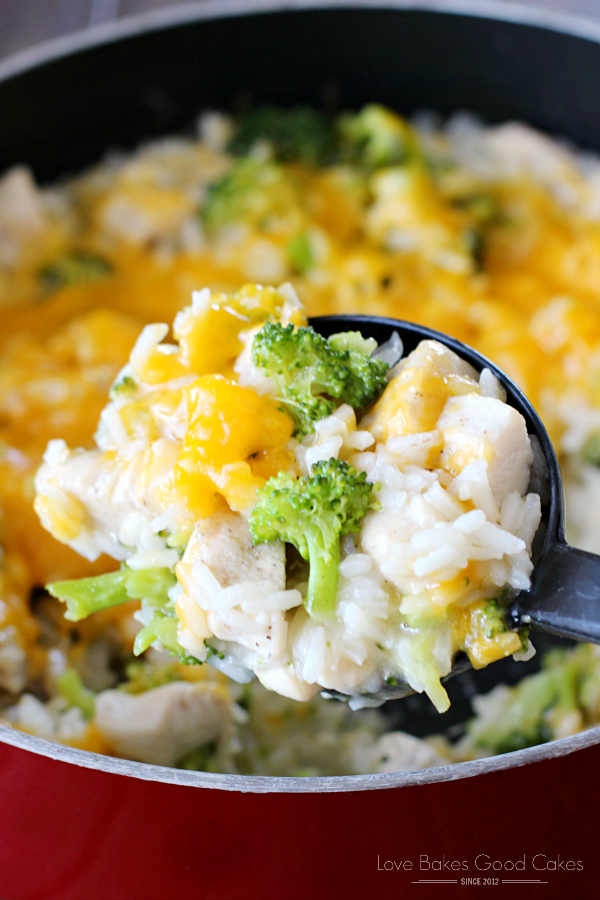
x=564, y=598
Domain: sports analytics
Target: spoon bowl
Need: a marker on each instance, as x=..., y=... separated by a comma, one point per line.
x=564, y=597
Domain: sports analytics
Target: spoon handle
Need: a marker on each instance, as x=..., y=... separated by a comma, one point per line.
x=565, y=595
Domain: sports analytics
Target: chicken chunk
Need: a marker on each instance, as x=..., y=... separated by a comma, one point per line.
x=415, y=398
x=234, y=590
x=473, y=428
x=90, y=500
x=162, y=725
x=401, y=752
x=284, y=682
x=224, y=544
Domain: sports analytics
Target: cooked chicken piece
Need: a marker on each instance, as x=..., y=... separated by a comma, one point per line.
x=89, y=499
x=162, y=725
x=415, y=397
x=347, y=677
x=284, y=682
x=475, y=427
x=224, y=544
x=267, y=638
x=400, y=752
x=239, y=588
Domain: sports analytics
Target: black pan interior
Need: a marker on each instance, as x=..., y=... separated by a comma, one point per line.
x=64, y=115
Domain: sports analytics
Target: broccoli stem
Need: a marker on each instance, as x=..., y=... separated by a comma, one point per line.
x=163, y=629
x=323, y=578
x=85, y=596
x=150, y=584
x=71, y=687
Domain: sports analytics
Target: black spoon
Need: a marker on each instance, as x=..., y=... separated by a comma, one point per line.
x=564, y=597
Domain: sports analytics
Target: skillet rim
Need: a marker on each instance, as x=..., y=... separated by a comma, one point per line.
x=263, y=784
x=199, y=10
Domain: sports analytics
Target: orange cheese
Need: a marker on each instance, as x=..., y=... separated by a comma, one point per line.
x=235, y=441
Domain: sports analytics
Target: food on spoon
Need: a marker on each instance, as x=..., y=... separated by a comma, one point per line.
x=313, y=376
x=374, y=545
x=313, y=513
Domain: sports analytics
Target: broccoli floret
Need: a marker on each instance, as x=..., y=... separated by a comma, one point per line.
x=591, y=449
x=368, y=374
x=300, y=254
x=534, y=708
x=377, y=137
x=125, y=387
x=74, y=268
x=142, y=676
x=492, y=622
x=484, y=208
x=313, y=513
x=300, y=134
x=85, y=596
x=308, y=371
x=490, y=636
x=250, y=192
x=474, y=243
x=203, y=759
x=521, y=721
